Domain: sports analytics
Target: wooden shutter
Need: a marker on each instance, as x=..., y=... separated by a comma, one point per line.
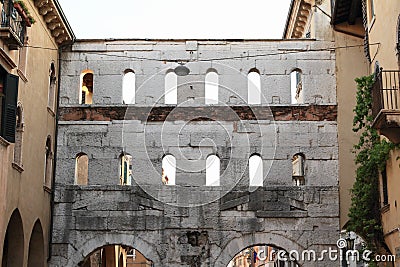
x=10, y=107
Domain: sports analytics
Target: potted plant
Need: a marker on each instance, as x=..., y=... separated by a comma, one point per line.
x=24, y=12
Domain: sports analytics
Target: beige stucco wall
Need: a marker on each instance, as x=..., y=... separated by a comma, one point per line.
x=383, y=30
x=24, y=191
x=350, y=63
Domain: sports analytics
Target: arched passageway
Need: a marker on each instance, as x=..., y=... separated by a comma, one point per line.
x=13, y=249
x=36, y=246
x=116, y=256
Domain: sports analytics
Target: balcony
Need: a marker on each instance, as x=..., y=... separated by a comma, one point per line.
x=386, y=104
x=12, y=28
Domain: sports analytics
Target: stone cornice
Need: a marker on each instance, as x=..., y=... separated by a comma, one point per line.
x=298, y=19
x=56, y=22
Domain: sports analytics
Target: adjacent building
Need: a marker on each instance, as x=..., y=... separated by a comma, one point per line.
x=31, y=33
x=367, y=37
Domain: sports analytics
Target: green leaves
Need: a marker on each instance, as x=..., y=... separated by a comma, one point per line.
x=371, y=156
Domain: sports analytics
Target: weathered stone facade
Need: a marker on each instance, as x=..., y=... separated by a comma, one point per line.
x=190, y=224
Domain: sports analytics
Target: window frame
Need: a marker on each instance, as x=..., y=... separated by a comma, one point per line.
x=9, y=100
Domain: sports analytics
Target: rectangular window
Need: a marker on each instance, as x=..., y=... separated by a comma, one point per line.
x=385, y=188
x=9, y=95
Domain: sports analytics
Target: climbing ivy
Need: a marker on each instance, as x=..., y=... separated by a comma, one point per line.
x=371, y=155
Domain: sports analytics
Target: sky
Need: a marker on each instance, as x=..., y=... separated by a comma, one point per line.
x=177, y=19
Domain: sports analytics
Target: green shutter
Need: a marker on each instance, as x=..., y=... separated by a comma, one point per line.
x=10, y=107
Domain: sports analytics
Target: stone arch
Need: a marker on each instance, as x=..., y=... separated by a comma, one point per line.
x=236, y=245
x=36, y=246
x=13, y=248
x=84, y=249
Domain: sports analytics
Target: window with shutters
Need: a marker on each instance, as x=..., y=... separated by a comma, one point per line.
x=8, y=108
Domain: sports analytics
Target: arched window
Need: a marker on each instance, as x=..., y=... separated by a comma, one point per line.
x=125, y=171
x=296, y=87
x=256, y=170
x=129, y=87
x=81, y=169
x=211, y=87
x=48, y=163
x=254, y=87
x=52, y=87
x=298, y=169
x=398, y=41
x=171, y=88
x=213, y=165
x=168, y=170
x=86, y=88
x=19, y=129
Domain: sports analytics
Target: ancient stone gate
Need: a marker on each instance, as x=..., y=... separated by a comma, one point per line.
x=190, y=217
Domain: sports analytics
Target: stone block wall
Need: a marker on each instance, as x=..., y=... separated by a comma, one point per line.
x=191, y=224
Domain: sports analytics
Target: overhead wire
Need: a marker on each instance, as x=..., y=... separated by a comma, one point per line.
x=282, y=52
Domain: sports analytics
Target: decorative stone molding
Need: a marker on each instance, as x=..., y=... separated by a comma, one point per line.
x=299, y=18
x=53, y=17
x=44, y=10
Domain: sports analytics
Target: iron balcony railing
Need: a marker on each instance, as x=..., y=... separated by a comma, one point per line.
x=386, y=91
x=11, y=19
